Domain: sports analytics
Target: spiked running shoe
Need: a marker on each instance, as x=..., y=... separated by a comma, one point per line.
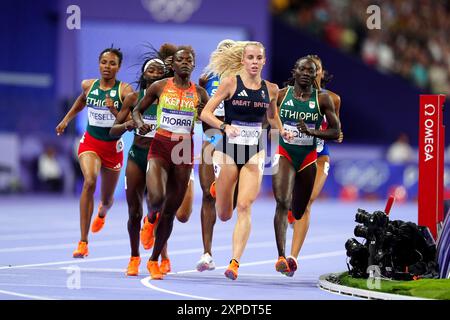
x=133, y=266
x=232, y=271
x=293, y=265
x=212, y=189
x=165, y=267
x=147, y=233
x=99, y=221
x=153, y=269
x=206, y=262
x=82, y=250
x=282, y=265
x=291, y=219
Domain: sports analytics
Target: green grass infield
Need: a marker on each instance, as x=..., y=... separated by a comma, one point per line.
x=423, y=288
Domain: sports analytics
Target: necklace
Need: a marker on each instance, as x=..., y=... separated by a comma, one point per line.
x=304, y=93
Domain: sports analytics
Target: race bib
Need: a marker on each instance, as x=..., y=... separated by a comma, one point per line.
x=177, y=121
x=100, y=117
x=249, y=133
x=299, y=139
x=151, y=121
x=320, y=144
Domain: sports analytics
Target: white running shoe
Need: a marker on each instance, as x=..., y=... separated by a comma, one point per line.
x=206, y=262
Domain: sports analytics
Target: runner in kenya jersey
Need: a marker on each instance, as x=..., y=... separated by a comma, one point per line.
x=170, y=156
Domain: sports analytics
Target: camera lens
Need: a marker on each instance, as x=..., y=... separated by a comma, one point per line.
x=352, y=246
x=362, y=216
x=361, y=231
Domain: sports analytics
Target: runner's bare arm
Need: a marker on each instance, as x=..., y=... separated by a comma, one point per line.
x=123, y=120
x=151, y=94
x=223, y=92
x=77, y=106
x=334, y=126
x=203, y=99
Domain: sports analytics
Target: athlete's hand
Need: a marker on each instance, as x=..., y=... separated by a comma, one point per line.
x=110, y=104
x=144, y=129
x=341, y=137
x=130, y=125
x=232, y=132
x=301, y=126
x=61, y=127
x=287, y=135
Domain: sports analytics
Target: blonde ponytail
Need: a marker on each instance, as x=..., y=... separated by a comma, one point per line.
x=226, y=61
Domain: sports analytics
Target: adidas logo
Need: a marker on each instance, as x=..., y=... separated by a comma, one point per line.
x=289, y=103
x=117, y=166
x=243, y=93
x=95, y=92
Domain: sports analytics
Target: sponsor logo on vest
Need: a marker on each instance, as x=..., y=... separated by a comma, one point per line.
x=263, y=94
x=289, y=103
x=243, y=93
x=312, y=104
x=95, y=92
x=112, y=93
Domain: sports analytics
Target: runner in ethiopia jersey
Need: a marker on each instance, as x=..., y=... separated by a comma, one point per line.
x=98, y=153
x=240, y=153
x=170, y=158
x=302, y=108
x=210, y=82
x=323, y=159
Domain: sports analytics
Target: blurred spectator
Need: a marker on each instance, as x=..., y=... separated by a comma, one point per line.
x=49, y=171
x=413, y=41
x=400, y=151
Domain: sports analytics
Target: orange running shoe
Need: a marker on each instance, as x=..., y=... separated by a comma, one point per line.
x=82, y=250
x=133, y=266
x=99, y=222
x=212, y=189
x=282, y=265
x=153, y=269
x=232, y=271
x=147, y=233
x=164, y=267
x=291, y=218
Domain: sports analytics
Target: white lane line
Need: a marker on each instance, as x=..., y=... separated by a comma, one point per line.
x=62, y=246
x=71, y=245
x=175, y=252
x=257, y=263
x=266, y=244
x=124, y=241
x=16, y=294
x=146, y=283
